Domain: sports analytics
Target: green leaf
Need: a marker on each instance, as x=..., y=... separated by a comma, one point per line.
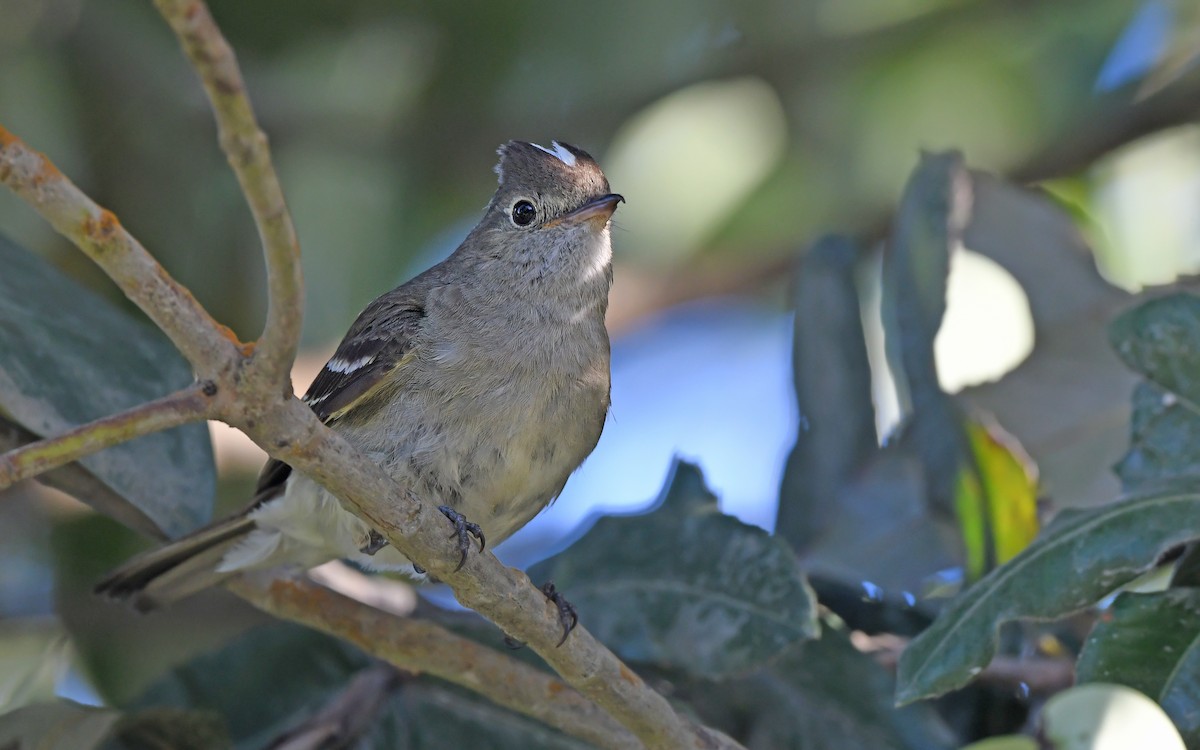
x=1099, y=716
x=1165, y=439
x=291, y=682
x=33, y=656
x=1160, y=340
x=686, y=586
x=883, y=533
x=429, y=715
x=996, y=498
x=1007, y=742
x=821, y=694
x=1151, y=643
x=833, y=392
x=68, y=356
x=282, y=670
x=929, y=224
x=1080, y=558
x=168, y=728
x=61, y=725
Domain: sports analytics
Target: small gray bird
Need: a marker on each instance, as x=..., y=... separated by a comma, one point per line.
x=481, y=385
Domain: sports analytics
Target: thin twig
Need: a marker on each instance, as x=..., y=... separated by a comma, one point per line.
x=245, y=145
x=98, y=233
x=188, y=405
x=75, y=480
x=424, y=647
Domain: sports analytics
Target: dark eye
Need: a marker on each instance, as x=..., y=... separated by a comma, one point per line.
x=523, y=213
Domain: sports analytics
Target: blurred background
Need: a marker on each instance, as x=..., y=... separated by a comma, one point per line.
x=739, y=133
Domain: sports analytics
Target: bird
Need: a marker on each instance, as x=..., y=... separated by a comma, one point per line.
x=481, y=383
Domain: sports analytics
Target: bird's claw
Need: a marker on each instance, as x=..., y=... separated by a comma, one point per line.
x=568, y=617
x=463, y=530
x=375, y=542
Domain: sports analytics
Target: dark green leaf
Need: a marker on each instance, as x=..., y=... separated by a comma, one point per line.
x=929, y=224
x=1160, y=340
x=282, y=682
x=431, y=715
x=1165, y=440
x=62, y=725
x=1080, y=558
x=833, y=392
x=883, y=534
x=1151, y=642
x=67, y=357
x=261, y=682
x=686, y=586
x=822, y=695
x=160, y=728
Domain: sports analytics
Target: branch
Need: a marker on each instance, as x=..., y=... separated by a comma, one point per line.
x=293, y=434
x=188, y=405
x=421, y=646
x=289, y=430
x=245, y=146
x=343, y=720
x=99, y=234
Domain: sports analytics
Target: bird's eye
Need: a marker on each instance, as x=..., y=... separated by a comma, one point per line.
x=523, y=213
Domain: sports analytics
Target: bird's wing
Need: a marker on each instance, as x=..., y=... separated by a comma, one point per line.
x=380, y=341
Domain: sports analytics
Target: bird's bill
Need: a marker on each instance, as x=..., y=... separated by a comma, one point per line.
x=598, y=211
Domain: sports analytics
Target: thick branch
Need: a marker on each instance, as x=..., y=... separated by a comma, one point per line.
x=99, y=234
x=421, y=646
x=245, y=145
x=188, y=405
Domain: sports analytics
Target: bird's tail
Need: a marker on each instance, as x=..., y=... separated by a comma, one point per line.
x=178, y=570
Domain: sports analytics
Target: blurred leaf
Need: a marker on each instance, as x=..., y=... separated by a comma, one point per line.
x=1151, y=643
x=161, y=728
x=430, y=715
x=833, y=392
x=1039, y=244
x=884, y=535
x=929, y=223
x=297, y=688
x=62, y=725
x=1160, y=340
x=67, y=357
x=1008, y=742
x=996, y=498
x=1079, y=558
x=1106, y=717
x=686, y=586
x=33, y=656
x=1164, y=441
x=283, y=671
x=692, y=157
x=822, y=695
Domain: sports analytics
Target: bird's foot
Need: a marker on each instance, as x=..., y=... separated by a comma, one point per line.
x=464, y=530
x=568, y=617
x=375, y=542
